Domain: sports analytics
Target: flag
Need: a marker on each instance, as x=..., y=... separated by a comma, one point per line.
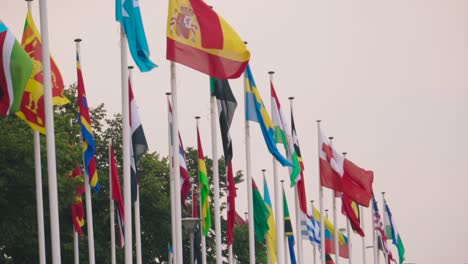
x=283, y=135
x=330, y=239
x=392, y=232
x=231, y=214
x=271, y=234
x=15, y=68
x=350, y=209
x=117, y=196
x=127, y=12
x=138, y=140
x=200, y=39
x=255, y=111
x=379, y=229
x=300, y=186
x=77, y=204
x=328, y=259
x=240, y=221
x=32, y=105
x=310, y=227
x=197, y=256
x=261, y=214
x=226, y=107
x=185, y=185
x=288, y=230
x=204, y=188
x=342, y=175
x=89, y=147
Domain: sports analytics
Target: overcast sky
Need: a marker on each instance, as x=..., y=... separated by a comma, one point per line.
x=388, y=79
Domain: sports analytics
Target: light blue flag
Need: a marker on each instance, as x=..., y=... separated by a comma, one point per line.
x=127, y=12
x=256, y=111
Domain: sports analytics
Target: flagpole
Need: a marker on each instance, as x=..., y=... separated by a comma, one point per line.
x=50, y=136
x=374, y=237
x=126, y=147
x=203, y=238
x=300, y=255
x=348, y=232
x=89, y=206
x=175, y=150
x=214, y=148
x=112, y=209
x=286, y=253
x=335, y=221
x=322, y=216
x=363, y=239
x=39, y=199
x=383, y=223
x=315, y=250
x=75, y=247
x=249, y=182
x=171, y=179
x=278, y=204
x=192, y=240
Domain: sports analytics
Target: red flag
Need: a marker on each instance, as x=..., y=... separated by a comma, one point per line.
x=331, y=165
x=117, y=195
x=231, y=218
x=77, y=204
x=350, y=209
x=357, y=183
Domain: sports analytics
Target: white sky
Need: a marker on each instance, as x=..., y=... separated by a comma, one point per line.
x=388, y=79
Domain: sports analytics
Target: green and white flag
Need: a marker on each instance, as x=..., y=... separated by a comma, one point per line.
x=392, y=233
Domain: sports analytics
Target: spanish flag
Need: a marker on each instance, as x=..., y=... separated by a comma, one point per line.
x=200, y=39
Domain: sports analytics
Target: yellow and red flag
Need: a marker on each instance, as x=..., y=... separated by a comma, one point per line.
x=199, y=38
x=32, y=104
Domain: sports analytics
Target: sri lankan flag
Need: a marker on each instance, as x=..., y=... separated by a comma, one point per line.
x=89, y=147
x=204, y=188
x=32, y=105
x=199, y=38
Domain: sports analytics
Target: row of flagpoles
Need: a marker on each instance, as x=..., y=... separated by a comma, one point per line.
x=215, y=46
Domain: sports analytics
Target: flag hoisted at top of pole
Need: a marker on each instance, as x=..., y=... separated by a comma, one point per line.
x=392, y=232
x=199, y=38
x=350, y=209
x=15, y=69
x=204, y=188
x=271, y=234
x=77, y=204
x=32, y=103
x=127, y=12
x=379, y=230
x=117, y=196
x=261, y=214
x=256, y=111
x=288, y=230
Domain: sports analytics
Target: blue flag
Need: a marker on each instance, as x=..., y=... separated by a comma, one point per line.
x=127, y=12
x=256, y=111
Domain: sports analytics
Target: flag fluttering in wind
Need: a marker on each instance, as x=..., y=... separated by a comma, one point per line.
x=330, y=239
x=32, y=105
x=300, y=183
x=271, y=234
x=89, y=147
x=15, y=69
x=127, y=12
x=199, y=38
x=350, y=209
x=231, y=214
x=283, y=135
x=78, y=213
x=288, y=230
x=204, y=188
x=138, y=140
x=197, y=254
x=255, y=111
x=392, y=232
x=261, y=214
x=185, y=185
x=117, y=196
x=342, y=175
x=379, y=229
x=310, y=227
x=328, y=259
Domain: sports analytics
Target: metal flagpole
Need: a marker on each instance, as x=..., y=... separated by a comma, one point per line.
x=192, y=237
x=249, y=183
x=312, y=215
x=348, y=233
x=75, y=247
x=278, y=204
x=89, y=207
x=298, y=213
x=363, y=239
x=383, y=223
x=322, y=217
x=171, y=179
x=203, y=238
x=175, y=151
x=335, y=221
x=374, y=237
x=126, y=148
x=112, y=209
x=214, y=148
x=50, y=136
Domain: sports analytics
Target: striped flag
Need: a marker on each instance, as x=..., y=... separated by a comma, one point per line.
x=89, y=147
x=379, y=229
x=288, y=230
x=204, y=188
x=310, y=227
x=392, y=232
x=300, y=186
x=117, y=196
x=78, y=213
x=350, y=209
x=271, y=234
x=15, y=69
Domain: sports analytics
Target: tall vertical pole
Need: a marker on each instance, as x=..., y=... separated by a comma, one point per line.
x=75, y=247
x=249, y=183
x=203, y=238
x=171, y=178
x=374, y=237
x=363, y=239
x=126, y=148
x=89, y=207
x=175, y=151
x=111, y=210
x=278, y=204
x=335, y=221
x=39, y=199
x=192, y=237
x=50, y=137
x=348, y=233
x=315, y=247
x=214, y=148
x=322, y=216
x=298, y=213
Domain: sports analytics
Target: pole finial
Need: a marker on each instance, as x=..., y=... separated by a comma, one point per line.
x=281, y=181
x=28, y=0
x=245, y=42
x=271, y=72
x=344, y=153
x=263, y=170
x=330, y=138
x=318, y=121
x=197, y=117
x=168, y=93
x=130, y=67
x=291, y=98
x=77, y=40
